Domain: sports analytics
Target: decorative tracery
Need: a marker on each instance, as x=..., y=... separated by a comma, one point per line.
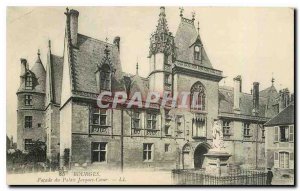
x=198, y=96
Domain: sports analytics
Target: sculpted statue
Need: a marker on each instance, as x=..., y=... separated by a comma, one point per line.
x=217, y=135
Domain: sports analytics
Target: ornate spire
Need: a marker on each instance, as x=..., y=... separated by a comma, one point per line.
x=198, y=28
x=162, y=40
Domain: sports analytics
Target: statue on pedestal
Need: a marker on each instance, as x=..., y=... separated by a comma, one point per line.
x=217, y=135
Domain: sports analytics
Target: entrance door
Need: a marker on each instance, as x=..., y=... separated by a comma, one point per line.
x=199, y=157
x=187, y=160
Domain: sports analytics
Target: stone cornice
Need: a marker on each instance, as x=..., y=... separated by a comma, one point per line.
x=243, y=117
x=196, y=70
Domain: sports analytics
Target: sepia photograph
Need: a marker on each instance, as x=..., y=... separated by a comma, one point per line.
x=150, y=95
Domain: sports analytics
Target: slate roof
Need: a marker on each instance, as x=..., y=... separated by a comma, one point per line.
x=185, y=37
x=285, y=117
x=57, y=73
x=139, y=84
x=246, y=102
x=87, y=58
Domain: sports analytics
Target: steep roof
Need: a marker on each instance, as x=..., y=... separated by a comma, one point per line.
x=270, y=90
x=86, y=60
x=246, y=102
x=139, y=84
x=185, y=38
x=38, y=74
x=285, y=117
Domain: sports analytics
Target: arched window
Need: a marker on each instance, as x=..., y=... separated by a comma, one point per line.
x=198, y=97
x=105, y=79
x=28, y=81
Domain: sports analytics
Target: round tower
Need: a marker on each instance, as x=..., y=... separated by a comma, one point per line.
x=31, y=104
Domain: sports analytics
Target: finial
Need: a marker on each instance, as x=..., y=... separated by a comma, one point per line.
x=251, y=91
x=38, y=53
x=49, y=44
x=193, y=15
x=273, y=79
x=106, y=50
x=67, y=9
x=198, y=27
x=181, y=11
x=137, y=68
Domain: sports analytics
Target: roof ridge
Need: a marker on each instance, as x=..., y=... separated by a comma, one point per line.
x=97, y=40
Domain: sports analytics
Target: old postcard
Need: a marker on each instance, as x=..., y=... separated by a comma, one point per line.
x=150, y=96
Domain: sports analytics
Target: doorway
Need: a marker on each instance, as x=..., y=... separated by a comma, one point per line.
x=199, y=157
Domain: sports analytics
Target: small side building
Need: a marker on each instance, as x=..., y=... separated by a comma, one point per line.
x=280, y=143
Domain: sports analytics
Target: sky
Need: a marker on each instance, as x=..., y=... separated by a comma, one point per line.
x=256, y=43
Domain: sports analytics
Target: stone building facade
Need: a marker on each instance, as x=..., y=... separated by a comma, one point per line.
x=64, y=103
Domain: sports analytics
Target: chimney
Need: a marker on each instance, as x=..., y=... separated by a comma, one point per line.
x=73, y=15
x=255, y=98
x=284, y=99
x=237, y=91
x=117, y=42
x=24, y=66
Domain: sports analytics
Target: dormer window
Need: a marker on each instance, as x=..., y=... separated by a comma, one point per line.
x=105, y=81
x=197, y=53
x=28, y=82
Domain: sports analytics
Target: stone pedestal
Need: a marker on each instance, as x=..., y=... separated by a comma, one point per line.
x=217, y=164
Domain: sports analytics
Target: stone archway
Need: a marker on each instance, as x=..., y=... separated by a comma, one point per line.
x=199, y=157
x=193, y=155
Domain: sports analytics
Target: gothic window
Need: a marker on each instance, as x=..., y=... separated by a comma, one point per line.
x=28, y=100
x=198, y=96
x=147, y=151
x=28, y=82
x=28, y=122
x=197, y=53
x=198, y=126
x=136, y=119
x=99, y=152
x=151, y=121
x=105, y=78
